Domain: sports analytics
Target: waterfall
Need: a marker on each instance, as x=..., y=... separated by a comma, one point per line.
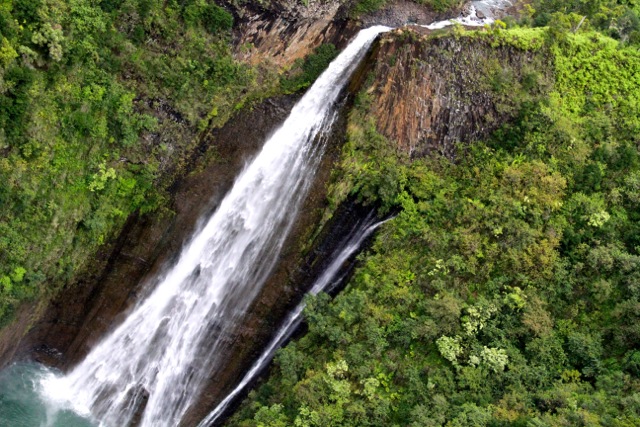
x=153, y=365
x=323, y=283
x=362, y=231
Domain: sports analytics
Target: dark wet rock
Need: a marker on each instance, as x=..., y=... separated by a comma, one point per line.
x=139, y=397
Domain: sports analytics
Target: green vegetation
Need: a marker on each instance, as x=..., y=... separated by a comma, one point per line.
x=99, y=103
x=506, y=291
x=617, y=19
x=304, y=72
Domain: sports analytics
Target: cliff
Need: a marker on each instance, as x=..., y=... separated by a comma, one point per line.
x=431, y=94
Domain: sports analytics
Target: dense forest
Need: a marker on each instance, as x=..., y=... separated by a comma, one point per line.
x=83, y=85
x=506, y=290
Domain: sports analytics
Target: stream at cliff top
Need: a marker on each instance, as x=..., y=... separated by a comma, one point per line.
x=150, y=369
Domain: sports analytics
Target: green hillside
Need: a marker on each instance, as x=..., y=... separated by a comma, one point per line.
x=507, y=290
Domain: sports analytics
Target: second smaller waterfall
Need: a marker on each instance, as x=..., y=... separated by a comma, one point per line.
x=352, y=243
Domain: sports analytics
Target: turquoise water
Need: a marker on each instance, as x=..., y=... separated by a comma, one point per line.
x=21, y=403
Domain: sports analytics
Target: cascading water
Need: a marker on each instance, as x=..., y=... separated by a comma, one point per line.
x=328, y=277
x=155, y=362
x=471, y=19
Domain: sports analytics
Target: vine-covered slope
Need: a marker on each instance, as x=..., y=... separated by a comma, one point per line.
x=100, y=102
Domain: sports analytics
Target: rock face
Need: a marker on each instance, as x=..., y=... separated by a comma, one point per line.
x=287, y=31
x=429, y=94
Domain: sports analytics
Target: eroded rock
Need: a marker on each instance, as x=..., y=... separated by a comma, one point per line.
x=430, y=94
x=288, y=31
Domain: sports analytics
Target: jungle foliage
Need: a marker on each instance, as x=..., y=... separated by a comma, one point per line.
x=507, y=289
x=305, y=71
x=99, y=102
x=618, y=19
